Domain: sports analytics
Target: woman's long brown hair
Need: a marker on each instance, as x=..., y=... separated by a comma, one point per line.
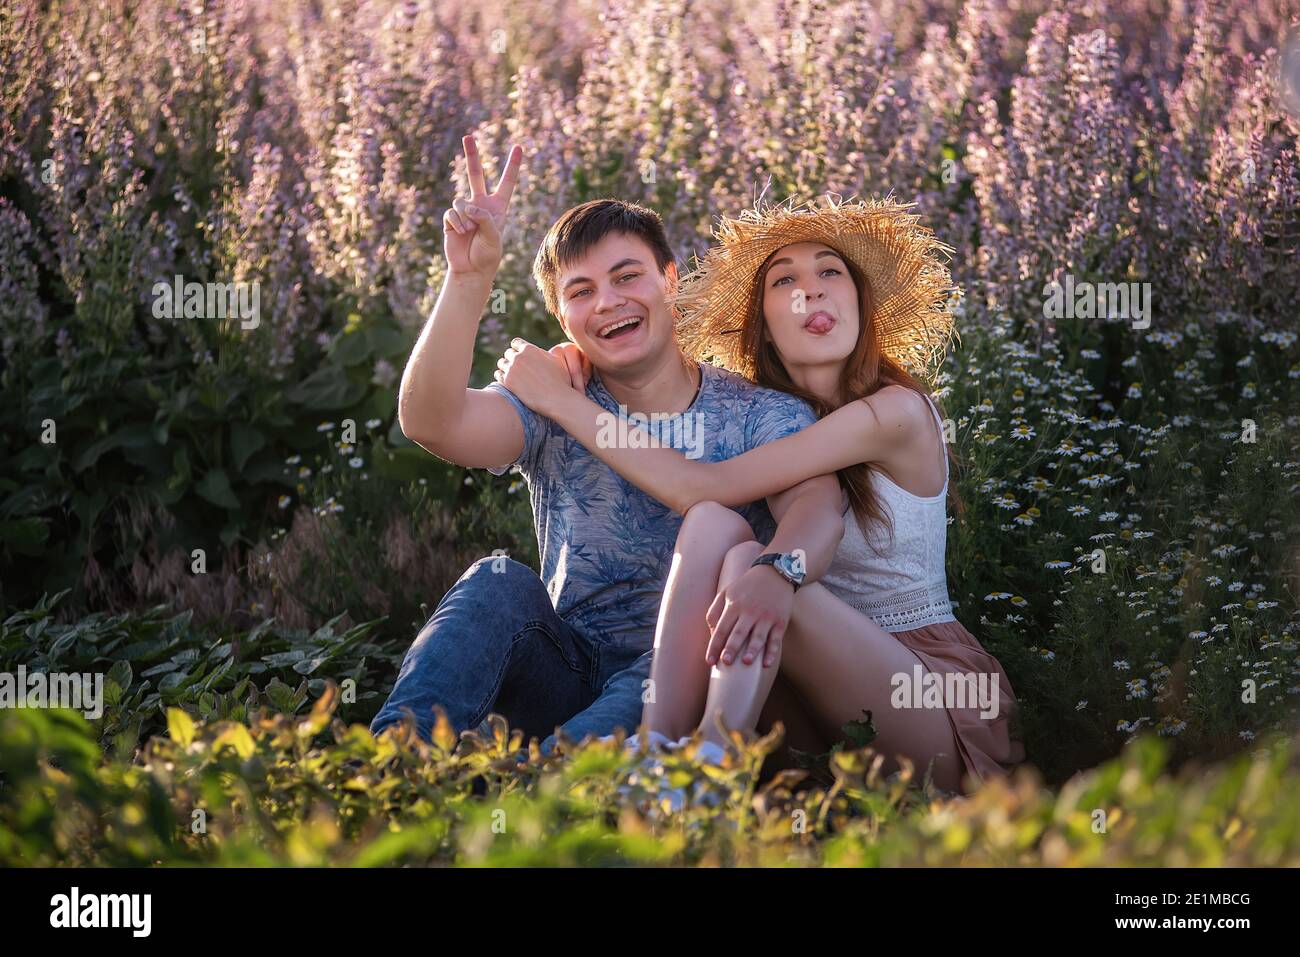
x=866, y=371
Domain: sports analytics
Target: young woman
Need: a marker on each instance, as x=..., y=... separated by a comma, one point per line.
x=829, y=303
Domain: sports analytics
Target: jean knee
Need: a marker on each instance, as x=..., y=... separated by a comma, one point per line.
x=493, y=599
x=497, y=570
x=633, y=679
x=501, y=581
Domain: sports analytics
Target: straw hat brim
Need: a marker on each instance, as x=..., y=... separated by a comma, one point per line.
x=900, y=258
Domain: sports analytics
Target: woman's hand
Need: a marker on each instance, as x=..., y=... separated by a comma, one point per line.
x=535, y=376
x=749, y=618
x=576, y=361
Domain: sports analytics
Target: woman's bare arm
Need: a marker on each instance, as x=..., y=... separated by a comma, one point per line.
x=863, y=431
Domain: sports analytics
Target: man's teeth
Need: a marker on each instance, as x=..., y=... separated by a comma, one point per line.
x=610, y=330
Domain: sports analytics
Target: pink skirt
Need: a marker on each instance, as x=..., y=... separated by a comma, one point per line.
x=986, y=744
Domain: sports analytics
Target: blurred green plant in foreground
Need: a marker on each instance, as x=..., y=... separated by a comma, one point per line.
x=310, y=790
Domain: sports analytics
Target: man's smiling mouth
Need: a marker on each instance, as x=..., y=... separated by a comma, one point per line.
x=619, y=327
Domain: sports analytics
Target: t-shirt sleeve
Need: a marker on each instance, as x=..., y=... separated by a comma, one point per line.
x=534, y=433
x=774, y=416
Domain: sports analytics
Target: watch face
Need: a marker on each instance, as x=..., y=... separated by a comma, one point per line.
x=786, y=566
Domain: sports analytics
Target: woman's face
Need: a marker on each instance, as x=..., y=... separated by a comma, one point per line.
x=810, y=306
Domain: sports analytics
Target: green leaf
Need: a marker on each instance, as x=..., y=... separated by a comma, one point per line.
x=36, y=457
x=215, y=487
x=350, y=348
x=280, y=695
x=388, y=340
x=237, y=736
x=92, y=453
x=268, y=466
x=326, y=388
x=380, y=404
x=151, y=457
x=180, y=726
x=244, y=441
x=121, y=673
x=860, y=732
x=404, y=464
x=27, y=500
x=282, y=658
x=88, y=507
x=181, y=467
x=173, y=681
x=26, y=536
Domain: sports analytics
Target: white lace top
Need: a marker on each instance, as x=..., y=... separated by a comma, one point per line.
x=905, y=584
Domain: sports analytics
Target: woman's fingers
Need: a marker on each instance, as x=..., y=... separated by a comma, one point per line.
x=572, y=358
x=756, y=647
x=718, y=637
x=715, y=609
x=774, y=639
x=574, y=364
x=736, y=641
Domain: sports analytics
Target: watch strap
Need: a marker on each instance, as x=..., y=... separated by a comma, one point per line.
x=770, y=558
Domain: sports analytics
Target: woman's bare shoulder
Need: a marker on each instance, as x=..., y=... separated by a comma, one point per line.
x=897, y=409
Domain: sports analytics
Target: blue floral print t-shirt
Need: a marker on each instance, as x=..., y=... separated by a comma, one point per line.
x=606, y=547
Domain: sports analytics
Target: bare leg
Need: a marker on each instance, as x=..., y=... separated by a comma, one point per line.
x=737, y=691
x=679, y=674
x=750, y=698
x=842, y=663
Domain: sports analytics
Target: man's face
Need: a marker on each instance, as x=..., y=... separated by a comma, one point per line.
x=612, y=305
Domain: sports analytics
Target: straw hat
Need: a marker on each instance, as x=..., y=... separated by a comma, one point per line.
x=899, y=258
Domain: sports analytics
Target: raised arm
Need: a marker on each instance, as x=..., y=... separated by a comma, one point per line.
x=436, y=408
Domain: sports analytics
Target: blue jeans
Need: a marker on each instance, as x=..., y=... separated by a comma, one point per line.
x=496, y=644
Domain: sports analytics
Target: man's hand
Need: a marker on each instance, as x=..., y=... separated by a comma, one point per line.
x=535, y=376
x=749, y=618
x=473, y=228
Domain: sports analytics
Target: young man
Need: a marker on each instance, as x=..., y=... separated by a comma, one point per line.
x=572, y=648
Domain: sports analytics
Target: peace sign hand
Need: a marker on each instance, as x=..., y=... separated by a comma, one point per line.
x=472, y=229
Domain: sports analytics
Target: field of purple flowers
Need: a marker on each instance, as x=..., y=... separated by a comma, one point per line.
x=314, y=146
x=226, y=506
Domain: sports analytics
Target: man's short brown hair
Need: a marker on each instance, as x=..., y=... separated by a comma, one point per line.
x=581, y=227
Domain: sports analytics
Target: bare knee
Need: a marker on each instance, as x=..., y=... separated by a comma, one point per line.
x=738, y=560
x=710, y=522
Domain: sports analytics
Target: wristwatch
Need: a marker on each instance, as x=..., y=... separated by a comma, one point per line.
x=787, y=565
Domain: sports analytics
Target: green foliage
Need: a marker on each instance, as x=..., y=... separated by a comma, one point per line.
x=188, y=452
x=310, y=790
x=154, y=663
x=1126, y=550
